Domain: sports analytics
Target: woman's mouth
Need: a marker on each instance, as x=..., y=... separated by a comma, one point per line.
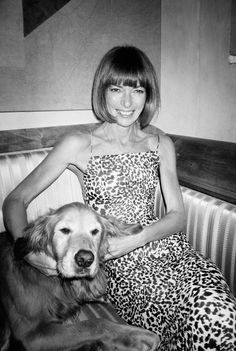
x=125, y=113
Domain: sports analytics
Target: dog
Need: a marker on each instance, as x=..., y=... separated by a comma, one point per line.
x=42, y=312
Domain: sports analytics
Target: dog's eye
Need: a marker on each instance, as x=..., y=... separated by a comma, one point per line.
x=65, y=230
x=94, y=231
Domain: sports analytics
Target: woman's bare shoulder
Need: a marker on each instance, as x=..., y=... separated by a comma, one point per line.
x=166, y=142
x=153, y=135
x=167, y=150
x=71, y=148
x=74, y=140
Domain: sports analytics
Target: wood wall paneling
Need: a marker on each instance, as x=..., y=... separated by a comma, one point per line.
x=36, y=138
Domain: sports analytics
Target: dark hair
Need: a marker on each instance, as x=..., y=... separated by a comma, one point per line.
x=130, y=66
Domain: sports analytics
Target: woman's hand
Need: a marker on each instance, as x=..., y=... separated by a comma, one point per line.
x=44, y=263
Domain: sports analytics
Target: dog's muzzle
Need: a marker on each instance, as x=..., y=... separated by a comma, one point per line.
x=84, y=258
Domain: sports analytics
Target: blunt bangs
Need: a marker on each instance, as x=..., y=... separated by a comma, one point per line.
x=127, y=67
x=121, y=79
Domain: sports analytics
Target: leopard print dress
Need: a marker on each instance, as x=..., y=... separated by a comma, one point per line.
x=165, y=286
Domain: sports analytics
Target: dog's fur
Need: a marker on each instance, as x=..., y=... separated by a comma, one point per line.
x=42, y=312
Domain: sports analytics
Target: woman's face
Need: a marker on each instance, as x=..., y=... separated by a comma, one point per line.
x=125, y=103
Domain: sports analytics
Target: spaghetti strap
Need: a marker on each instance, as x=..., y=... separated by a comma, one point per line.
x=91, y=143
x=158, y=141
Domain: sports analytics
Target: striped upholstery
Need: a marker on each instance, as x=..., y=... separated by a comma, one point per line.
x=211, y=223
x=15, y=167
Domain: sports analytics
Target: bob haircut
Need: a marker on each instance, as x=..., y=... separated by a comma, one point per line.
x=125, y=65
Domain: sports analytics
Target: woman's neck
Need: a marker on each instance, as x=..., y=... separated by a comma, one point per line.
x=120, y=135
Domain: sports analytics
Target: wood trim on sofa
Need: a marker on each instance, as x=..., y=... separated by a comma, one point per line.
x=208, y=166
x=37, y=138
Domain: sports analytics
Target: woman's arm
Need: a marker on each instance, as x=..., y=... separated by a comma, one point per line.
x=174, y=219
x=16, y=203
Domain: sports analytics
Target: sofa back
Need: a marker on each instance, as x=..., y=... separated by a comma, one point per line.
x=210, y=227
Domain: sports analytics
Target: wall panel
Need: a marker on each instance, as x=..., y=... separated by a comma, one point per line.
x=52, y=67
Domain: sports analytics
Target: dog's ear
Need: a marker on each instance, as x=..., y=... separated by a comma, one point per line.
x=114, y=227
x=38, y=233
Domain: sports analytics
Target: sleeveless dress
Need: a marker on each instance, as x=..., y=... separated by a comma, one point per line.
x=165, y=286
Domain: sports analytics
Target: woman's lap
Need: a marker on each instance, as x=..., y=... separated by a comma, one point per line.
x=182, y=296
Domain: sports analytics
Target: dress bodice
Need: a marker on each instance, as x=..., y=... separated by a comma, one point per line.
x=123, y=185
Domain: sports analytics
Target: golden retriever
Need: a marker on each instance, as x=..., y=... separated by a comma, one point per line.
x=42, y=312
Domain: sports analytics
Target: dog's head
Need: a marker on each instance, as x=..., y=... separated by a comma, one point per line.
x=74, y=235
x=77, y=241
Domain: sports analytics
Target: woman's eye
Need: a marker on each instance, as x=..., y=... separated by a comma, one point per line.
x=114, y=89
x=140, y=91
x=65, y=230
x=94, y=231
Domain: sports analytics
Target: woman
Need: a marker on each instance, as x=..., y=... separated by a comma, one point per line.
x=156, y=279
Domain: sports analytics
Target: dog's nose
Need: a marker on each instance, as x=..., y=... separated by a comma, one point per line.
x=84, y=258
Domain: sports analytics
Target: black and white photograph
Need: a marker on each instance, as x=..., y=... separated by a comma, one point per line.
x=117, y=175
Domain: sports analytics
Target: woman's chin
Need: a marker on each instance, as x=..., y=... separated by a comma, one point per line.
x=125, y=121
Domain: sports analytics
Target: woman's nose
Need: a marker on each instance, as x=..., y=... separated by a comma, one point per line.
x=127, y=99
